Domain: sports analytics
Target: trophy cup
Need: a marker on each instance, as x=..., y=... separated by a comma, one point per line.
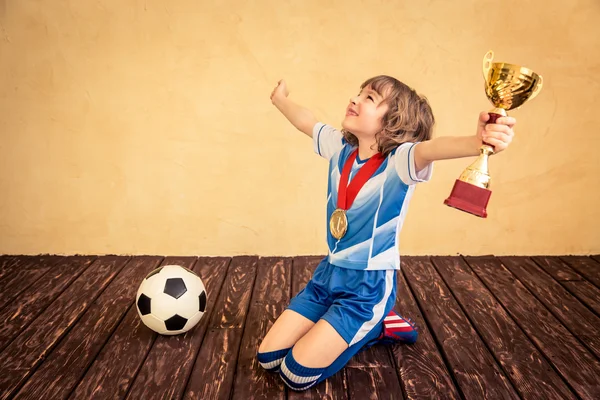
x=507, y=86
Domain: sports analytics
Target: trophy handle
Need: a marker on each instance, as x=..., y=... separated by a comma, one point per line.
x=493, y=117
x=538, y=87
x=487, y=64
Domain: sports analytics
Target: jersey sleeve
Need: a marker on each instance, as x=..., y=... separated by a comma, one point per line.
x=405, y=165
x=327, y=140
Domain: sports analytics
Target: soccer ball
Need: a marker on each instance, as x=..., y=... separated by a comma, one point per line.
x=171, y=300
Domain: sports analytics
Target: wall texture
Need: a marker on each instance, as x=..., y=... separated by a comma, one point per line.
x=145, y=126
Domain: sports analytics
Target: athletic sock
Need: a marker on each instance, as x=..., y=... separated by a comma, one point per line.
x=296, y=376
x=272, y=360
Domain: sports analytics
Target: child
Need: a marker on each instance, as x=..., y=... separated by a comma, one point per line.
x=375, y=161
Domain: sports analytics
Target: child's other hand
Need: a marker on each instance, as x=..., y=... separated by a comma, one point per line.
x=280, y=91
x=498, y=135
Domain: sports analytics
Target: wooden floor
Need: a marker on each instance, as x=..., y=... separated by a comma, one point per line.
x=490, y=328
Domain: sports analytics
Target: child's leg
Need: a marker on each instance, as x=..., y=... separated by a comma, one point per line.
x=285, y=332
x=354, y=319
x=305, y=365
x=298, y=376
x=303, y=312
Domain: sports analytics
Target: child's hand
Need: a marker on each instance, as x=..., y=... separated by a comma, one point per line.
x=498, y=135
x=280, y=91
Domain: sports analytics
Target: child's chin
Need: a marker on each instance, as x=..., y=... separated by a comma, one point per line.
x=347, y=125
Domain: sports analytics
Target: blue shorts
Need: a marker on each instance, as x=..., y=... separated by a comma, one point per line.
x=354, y=302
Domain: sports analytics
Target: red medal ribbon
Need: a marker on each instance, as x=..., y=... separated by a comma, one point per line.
x=347, y=193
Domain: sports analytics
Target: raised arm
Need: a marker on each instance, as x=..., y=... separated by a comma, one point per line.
x=302, y=118
x=499, y=135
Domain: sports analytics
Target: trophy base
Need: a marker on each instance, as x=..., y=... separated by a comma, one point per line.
x=469, y=198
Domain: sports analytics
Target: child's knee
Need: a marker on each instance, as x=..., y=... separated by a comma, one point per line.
x=262, y=348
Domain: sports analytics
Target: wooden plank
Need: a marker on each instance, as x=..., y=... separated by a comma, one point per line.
x=576, y=317
x=371, y=374
x=475, y=369
x=35, y=299
x=111, y=373
x=557, y=269
x=65, y=365
x=29, y=349
x=531, y=375
x=29, y=270
x=270, y=297
x=213, y=366
x=568, y=356
x=9, y=264
x=586, y=293
x=232, y=305
x=166, y=369
x=586, y=266
x=335, y=387
x=422, y=370
x=132, y=340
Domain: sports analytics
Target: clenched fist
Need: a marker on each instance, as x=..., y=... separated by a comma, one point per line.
x=280, y=91
x=499, y=135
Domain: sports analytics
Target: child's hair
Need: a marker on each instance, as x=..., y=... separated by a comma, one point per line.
x=409, y=118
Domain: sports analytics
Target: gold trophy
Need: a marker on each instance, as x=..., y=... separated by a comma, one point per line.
x=508, y=87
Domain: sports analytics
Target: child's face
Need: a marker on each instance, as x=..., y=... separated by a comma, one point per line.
x=365, y=113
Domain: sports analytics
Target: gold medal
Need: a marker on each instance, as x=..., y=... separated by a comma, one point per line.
x=338, y=224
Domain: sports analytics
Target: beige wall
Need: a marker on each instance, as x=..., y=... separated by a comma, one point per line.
x=146, y=126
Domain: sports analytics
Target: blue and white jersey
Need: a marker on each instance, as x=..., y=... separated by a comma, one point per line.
x=377, y=214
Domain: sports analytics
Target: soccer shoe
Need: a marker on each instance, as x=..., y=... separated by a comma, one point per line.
x=397, y=329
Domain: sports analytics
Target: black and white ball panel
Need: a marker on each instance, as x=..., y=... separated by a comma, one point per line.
x=144, y=304
x=202, y=301
x=175, y=287
x=175, y=323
